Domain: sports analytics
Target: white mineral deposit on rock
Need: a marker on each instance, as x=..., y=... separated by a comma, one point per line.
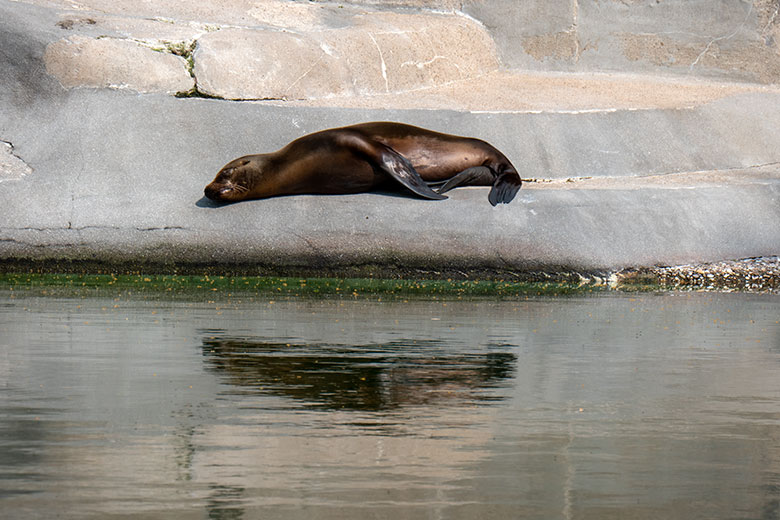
x=11, y=166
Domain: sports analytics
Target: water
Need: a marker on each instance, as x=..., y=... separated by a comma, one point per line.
x=612, y=406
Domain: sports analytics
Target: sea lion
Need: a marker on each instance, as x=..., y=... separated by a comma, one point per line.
x=359, y=158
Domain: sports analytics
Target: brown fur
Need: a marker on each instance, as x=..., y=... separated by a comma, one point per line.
x=363, y=157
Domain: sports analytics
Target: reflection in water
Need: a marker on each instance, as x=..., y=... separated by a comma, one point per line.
x=367, y=377
x=19, y=458
x=628, y=406
x=224, y=503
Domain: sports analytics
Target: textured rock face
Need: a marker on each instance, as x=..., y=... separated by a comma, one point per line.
x=247, y=64
x=727, y=39
x=380, y=54
x=80, y=61
x=282, y=50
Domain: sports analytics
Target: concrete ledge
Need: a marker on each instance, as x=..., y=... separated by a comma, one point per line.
x=546, y=230
x=137, y=197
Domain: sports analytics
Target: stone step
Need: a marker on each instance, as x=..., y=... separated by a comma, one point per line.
x=136, y=195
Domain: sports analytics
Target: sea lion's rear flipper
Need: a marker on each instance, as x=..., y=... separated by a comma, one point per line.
x=504, y=188
x=476, y=175
x=400, y=169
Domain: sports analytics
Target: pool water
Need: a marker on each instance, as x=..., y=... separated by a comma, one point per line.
x=223, y=405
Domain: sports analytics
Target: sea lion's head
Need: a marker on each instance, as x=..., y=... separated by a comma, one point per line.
x=238, y=180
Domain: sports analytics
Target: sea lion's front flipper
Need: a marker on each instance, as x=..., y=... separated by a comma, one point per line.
x=400, y=169
x=478, y=175
x=504, y=188
x=387, y=160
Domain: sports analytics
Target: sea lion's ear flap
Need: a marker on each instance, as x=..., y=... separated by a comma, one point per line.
x=504, y=188
x=400, y=169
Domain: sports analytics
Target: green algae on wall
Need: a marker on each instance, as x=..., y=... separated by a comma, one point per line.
x=58, y=284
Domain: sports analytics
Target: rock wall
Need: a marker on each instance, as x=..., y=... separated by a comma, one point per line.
x=736, y=39
x=285, y=50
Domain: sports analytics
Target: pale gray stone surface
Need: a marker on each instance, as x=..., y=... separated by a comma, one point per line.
x=376, y=53
x=728, y=39
x=137, y=197
x=244, y=64
x=278, y=49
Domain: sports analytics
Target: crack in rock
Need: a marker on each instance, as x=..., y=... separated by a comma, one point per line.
x=164, y=228
x=12, y=167
x=721, y=38
x=69, y=227
x=186, y=50
x=383, y=65
x=314, y=248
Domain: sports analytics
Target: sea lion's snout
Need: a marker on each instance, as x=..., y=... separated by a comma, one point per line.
x=223, y=188
x=233, y=183
x=216, y=191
